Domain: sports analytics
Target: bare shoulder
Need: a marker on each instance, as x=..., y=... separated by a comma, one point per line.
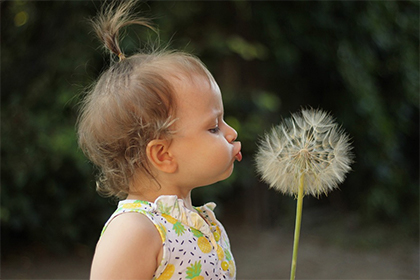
x=129, y=249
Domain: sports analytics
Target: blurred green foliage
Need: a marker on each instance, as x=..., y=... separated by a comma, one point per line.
x=357, y=59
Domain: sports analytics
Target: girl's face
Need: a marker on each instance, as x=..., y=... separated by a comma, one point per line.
x=204, y=144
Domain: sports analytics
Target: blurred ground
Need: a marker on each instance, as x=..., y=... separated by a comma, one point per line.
x=333, y=245
x=266, y=254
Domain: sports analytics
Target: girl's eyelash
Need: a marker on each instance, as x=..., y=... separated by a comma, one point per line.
x=214, y=130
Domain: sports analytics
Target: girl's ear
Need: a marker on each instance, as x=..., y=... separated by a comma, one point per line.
x=160, y=157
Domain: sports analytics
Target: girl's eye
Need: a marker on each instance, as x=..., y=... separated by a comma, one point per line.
x=214, y=130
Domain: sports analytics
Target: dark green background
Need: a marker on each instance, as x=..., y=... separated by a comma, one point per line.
x=358, y=60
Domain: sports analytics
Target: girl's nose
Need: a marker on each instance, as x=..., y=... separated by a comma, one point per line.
x=230, y=133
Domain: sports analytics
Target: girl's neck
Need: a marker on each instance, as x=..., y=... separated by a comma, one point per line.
x=144, y=188
x=152, y=196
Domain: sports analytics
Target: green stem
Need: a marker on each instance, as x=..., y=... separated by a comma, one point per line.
x=297, y=227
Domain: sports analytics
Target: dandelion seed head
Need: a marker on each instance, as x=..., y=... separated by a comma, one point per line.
x=309, y=143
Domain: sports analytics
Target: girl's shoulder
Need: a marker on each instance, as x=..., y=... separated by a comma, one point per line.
x=131, y=226
x=127, y=206
x=117, y=252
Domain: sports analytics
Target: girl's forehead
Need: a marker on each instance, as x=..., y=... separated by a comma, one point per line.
x=194, y=84
x=198, y=101
x=197, y=92
x=195, y=79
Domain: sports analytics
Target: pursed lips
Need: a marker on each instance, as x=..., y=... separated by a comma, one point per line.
x=238, y=155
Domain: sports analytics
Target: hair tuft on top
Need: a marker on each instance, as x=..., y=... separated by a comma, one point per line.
x=112, y=19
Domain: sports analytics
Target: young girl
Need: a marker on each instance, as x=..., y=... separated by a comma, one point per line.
x=153, y=124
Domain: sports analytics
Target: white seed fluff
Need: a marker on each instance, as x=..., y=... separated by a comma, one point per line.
x=309, y=143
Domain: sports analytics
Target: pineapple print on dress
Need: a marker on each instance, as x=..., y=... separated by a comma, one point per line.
x=229, y=263
x=216, y=233
x=177, y=226
x=167, y=273
x=194, y=271
x=202, y=242
x=137, y=204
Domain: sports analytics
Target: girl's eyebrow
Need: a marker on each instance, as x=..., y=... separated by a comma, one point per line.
x=211, y=120
x=213, y=117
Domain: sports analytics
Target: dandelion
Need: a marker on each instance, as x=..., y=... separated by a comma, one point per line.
x=306, y=154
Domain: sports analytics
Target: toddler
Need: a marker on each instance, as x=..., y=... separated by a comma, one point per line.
x=153, y=125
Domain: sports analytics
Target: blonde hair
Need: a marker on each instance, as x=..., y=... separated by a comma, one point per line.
x=132, y=103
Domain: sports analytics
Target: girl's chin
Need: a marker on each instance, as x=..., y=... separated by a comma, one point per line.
x=228, y=172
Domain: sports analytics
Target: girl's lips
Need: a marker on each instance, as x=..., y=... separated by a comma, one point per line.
x=238, y=156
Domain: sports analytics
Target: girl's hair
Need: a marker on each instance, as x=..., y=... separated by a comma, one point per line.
x=132, y=103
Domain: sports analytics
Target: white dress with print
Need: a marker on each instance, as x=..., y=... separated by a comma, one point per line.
x=195, y=246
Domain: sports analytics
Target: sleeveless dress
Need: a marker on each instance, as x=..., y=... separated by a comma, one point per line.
x=195, y=246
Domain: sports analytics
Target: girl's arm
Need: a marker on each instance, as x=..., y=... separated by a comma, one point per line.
x=130, y=248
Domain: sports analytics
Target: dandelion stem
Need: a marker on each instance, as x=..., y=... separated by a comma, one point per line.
x=297, y=227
